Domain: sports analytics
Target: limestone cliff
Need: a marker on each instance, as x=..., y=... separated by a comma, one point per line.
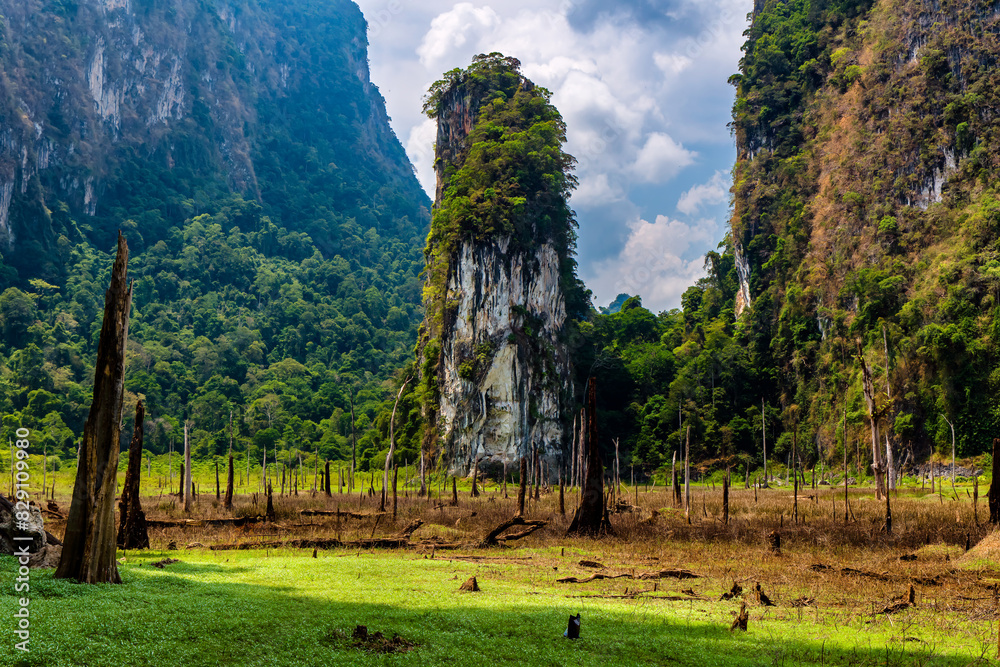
x=865, y=207
x=110, y=109
x=495, y=361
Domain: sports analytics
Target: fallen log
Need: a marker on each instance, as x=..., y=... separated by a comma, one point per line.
x=510, y=537
x=194, y=523
x=492, y=537
x=411, y=528
x=461, y=557
x=343, y=514
x=325, y=543
x=380, y=543
x=669, y=574
x=593, y=577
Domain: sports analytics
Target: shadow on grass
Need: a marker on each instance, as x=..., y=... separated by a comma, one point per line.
x=171, y=617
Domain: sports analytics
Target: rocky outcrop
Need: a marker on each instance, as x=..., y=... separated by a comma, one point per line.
x=504, y=370
x=35, y=529
x=494, y=351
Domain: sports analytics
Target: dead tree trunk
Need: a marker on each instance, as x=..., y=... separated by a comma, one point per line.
x=269, y=513
x=591, y=516
x=88, y=553
x=725, y=499
x=327, y=483
x=562, y=501
x=132, y=533
x=395, y=475
x=188, y=490
x=676, y=482
x=522, y=486
x=218, y=489
x=475, y=478
x=795, y=471
x=228, y=502
x=687, y=477
x=873, y=417
x=994, y=493
x=392, y=446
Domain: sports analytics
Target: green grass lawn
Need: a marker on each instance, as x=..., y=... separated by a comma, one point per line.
x=286, y=608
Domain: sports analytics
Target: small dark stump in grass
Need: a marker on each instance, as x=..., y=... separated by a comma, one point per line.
x=740, y=623
x=761, y=596
x=471, y=585
x=374, y=642
x=774, y=542
x=734, y=592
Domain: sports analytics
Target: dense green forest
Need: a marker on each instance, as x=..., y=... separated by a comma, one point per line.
x=276, y=256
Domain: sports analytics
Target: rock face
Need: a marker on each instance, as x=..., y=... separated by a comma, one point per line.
x=36, y=529
x=503, y=374
x=98, y=93
x=499, y=398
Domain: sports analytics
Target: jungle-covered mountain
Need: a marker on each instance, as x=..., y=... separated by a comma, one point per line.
x=865, y=213
x=274, y=221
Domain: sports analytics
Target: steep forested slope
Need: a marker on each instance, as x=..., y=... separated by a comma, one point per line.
x=274, y=220
x=865, y=209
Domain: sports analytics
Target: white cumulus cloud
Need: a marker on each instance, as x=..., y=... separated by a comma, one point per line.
x=453, y=29
x=656, y=262
x=661, y=158
x=713, y=192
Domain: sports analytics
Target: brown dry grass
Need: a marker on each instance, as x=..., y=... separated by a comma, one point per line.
x=656, y=535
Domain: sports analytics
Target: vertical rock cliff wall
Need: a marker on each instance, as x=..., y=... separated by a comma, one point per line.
x=503, y=376
x=504, y=370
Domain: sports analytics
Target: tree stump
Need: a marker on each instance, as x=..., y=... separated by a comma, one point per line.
x=269, y=514
x=741, y=619
x=774, y=542
x=472, y=586
x=228, y=502
x=591, y=517
x=522, y=486
x=132, y=532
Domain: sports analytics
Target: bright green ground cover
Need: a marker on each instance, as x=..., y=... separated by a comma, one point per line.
x=282, y=608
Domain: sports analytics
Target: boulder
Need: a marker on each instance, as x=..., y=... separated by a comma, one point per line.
x=35, y=529
x=48, y=557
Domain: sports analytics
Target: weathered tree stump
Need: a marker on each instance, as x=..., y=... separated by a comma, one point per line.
x=132, y=532
x=741, y=619
x=269, y=513
x=522, y=486
x=774, y=542
x=228, y=502
x=761, y=596
x=471, y=586
x=591, y=517
x=89, y=546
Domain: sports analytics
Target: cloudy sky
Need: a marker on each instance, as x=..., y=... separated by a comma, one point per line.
x=642, y=85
